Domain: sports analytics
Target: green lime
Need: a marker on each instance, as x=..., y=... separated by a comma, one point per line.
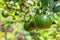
x=43, y=21
x=32, y=24
x=28, y=26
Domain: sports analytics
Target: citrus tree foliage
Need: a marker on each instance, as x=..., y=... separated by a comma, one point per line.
x=19, y=20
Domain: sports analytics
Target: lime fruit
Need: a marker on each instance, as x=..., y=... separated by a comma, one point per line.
x=43, y=21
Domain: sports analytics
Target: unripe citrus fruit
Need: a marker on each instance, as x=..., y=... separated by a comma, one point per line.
x=43, y=21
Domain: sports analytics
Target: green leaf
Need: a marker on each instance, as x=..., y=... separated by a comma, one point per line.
x=37, y=11
x=21, y=2
x=52, y=4
x=15, y=1
x=1, y=4
x=38, y=3
x=44, y=3
x=58, y=21
x=56, y=9
x=55, y=0
x=58, y=15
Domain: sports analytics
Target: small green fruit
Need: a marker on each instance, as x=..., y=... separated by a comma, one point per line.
x=43, y=21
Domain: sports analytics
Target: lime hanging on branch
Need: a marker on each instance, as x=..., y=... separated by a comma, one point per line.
x=43, y=21
x=28, y=26
x=32, y=23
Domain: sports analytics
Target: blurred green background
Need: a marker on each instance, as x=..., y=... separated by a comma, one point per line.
x=14, y=14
